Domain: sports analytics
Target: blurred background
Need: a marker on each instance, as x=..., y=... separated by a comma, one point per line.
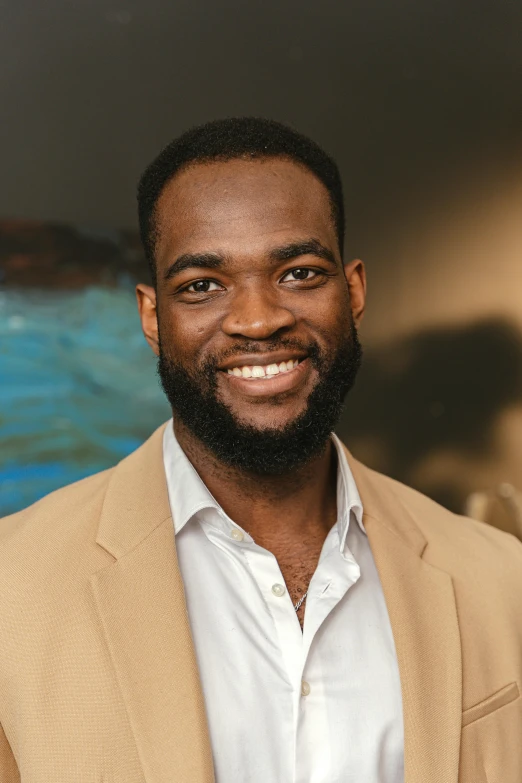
x=421, y=105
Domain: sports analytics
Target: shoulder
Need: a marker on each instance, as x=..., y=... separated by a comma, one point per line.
x=68, y=500
x=462, y=546
x=48, y=553
x=37, y=539
x=63, y=526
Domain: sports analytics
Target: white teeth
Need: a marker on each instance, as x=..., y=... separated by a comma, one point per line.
x=263, y=371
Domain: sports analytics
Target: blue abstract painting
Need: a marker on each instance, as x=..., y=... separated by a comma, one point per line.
x=78, y=383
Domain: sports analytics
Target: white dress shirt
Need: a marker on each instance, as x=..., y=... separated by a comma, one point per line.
x=322, y=705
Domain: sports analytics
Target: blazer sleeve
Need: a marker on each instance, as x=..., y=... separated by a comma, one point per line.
x=9, y=772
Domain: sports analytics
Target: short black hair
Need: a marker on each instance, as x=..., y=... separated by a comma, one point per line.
x=229, y=139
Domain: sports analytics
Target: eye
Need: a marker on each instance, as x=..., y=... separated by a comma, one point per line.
x=301, y=273
x=202, y=287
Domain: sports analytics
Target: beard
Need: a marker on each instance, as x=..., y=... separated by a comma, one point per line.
x=195, y=400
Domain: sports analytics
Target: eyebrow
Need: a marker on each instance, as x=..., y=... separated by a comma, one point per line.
x=193, y=261
x=311, y=247
x=215, y=260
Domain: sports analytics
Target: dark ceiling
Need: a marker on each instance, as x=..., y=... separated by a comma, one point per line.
x=408, y=96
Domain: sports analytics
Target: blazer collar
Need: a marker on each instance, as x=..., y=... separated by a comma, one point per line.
x=381, y=503
x=136, y=501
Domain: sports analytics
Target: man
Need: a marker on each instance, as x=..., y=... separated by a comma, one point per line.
x=240, y=600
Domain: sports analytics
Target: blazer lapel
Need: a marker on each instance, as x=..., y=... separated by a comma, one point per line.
x=141, y=604
x=421, y=605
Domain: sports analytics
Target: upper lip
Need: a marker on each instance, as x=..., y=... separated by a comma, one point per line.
x=261, y=359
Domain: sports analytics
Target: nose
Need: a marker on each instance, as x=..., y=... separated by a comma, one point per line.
x=257, y=315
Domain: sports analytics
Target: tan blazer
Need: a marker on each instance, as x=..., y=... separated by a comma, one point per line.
x=98, y=678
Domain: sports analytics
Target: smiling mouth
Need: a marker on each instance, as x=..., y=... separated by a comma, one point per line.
x=257, y=372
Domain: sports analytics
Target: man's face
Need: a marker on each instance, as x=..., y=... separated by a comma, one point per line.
x=257, y=314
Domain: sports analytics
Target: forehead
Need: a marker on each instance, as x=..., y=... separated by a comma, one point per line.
x=242, y=205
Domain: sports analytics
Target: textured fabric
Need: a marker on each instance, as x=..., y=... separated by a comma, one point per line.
x=98, y=674
x=254, y=661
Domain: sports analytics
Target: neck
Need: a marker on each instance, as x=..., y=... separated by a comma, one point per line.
x=301, y=502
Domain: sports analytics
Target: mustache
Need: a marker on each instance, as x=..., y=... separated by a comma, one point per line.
x=252, y=346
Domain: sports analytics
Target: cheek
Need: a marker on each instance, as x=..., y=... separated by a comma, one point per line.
x=331, y=315
x=185, y=335
x=342, y=307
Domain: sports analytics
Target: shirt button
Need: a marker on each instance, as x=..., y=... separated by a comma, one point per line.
x=278, y=590
x=236, y=534
x=305, y=688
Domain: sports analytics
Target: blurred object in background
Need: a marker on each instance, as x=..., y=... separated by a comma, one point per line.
x=55, y=257
x=78, y=389
x=502, y=508
x=441, y=410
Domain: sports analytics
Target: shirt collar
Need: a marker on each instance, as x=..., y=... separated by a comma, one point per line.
x=188, y=494
x=348, y=498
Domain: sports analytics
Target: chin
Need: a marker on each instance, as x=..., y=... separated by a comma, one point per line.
x=271, y=421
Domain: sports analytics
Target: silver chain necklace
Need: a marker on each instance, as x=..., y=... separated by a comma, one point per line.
x=301, y=601
x=298, y=605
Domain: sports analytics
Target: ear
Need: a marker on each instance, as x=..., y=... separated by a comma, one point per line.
x=146, y=296
x=355, y=275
